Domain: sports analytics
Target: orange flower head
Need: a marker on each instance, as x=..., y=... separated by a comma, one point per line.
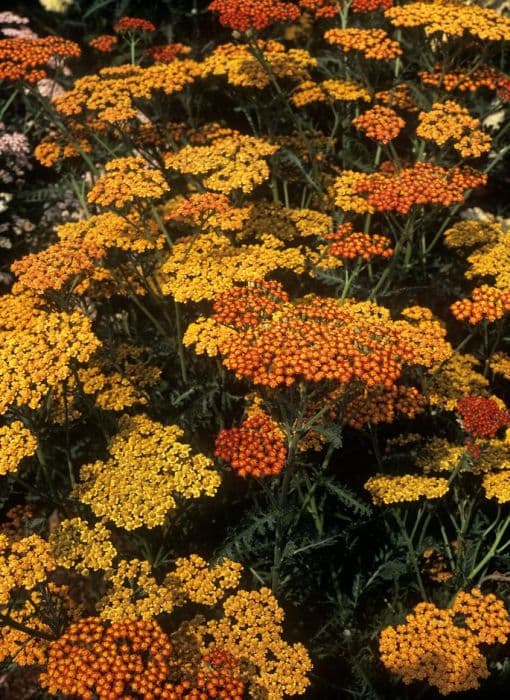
x=253, y=14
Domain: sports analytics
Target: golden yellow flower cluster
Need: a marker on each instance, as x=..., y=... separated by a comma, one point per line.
x=38, y=357
x=450, y=121
x=492, y=259
x=347, y=192
x=439, y=455
x=285, y=223
x=207, y=337
x=485, y=616
x=16, y=443
x=373, y=43
x=201, y=267
x=113, y=92
x=402, y=489
x=148, y=468
x=455, y=378
x=230, y=163
x=118, y=379
x=127, y=180
x=34, y=612
x=201, y=583
x=133, y=593
x=470, y=233
x=497, y=486
x=452, y=19
x=250, y=630
x=76, y=545
x=110, y=230
x=24, y=564
x=242, y=68
x=328, y=91
x=500, y=364
x=48, y=151
x=432, y=645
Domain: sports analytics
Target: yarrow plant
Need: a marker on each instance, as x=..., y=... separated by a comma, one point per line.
x=254, y=349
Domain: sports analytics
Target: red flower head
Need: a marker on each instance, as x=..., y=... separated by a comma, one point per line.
x=133, y=24
x=482, y=417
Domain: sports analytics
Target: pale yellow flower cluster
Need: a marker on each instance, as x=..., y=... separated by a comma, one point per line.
x=148, y=468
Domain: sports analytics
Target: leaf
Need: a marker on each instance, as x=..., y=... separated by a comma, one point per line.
x=347, y=497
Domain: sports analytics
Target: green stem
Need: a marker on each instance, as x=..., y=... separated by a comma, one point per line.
x=411, y=551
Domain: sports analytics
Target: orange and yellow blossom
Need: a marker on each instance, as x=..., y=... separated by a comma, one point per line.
x=113, y=93
x=379, y=123
x=452, y=19
x=434, y=646
x=399, y=189
x=486, y=304
x=278, y=343
x=372, y=43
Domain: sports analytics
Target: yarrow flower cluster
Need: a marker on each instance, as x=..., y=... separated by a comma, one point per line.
x=399, y=189
x=253, y=14
x=315, y=339
x=486, y=304
x=16, y=443
x=350, y=245
x=256, y=448
x=380, y=124
x=401, y=489
x=127, y=180
x=147, y=469
x=482, y=417
x=433, y=644
x=449, y=121
x=374, y=44
x=28, y=59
